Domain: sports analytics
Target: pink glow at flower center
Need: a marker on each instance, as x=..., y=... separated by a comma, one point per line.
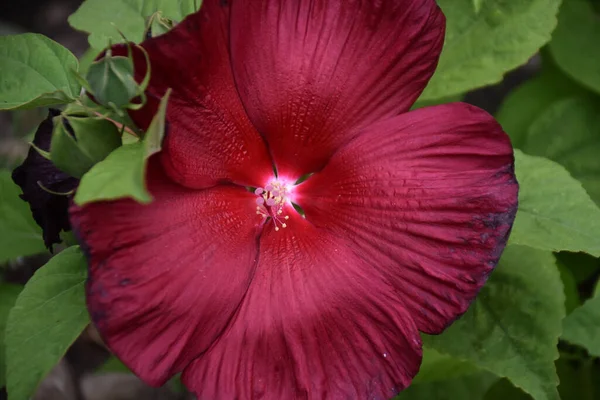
x=271, y=201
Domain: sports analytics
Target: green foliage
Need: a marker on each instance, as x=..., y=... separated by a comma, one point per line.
x=555, y=212
x=581, y=265
x=468, y=387
x=574, y=43
x=503, y=390
x=481, y=46
x=20, y=236
x=523, y=105
x=104, y=19
x=582, y=327
x=428, y=103
x=513, y=327
x=111, y=81
x=578, y=379
x=122, y=173
x=477, y=5
x=48, y=316
x=78, y=143
x=438, y=367
x=572, y=300
x=568, y=132
x=36, y=71
x=8, y=297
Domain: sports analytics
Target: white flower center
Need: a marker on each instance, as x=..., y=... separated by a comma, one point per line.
x=271, y=201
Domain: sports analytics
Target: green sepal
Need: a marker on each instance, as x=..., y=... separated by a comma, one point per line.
x=78, y=143
x=159, y=25
x=111, y=81
x=123, y=173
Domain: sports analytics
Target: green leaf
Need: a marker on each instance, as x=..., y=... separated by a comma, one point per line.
x=428, y=103
x=122, y=173
x=444, y=377
x=471, y=387
x=572, y=300
x=512, y=328
x=35, y=72
x=555, y=212
x=578, y=379
x=96, y=137
x=482, y=46
x=438, y=367
x=503, y=390
x=527, y=102
x=87, y=59
x=80, y=143
x=477, y=5
x=582, y=266
x=21, y=236
x=574, y=43
x=103, y=19
x=8, y=297
x=582, y=326
x=50, y=313
x=160, y=25
x=111, y=81
x=568, y=132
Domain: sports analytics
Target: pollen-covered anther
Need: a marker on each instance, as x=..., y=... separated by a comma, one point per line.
x=271, y=201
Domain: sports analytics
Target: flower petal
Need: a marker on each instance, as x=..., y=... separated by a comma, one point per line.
x=165, y=278
x=314, y=325
x=49, y=210
x=310, y=73
x=210, y=137
x=429, y=199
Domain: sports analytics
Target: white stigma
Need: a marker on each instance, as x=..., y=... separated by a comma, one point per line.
x=271, y=201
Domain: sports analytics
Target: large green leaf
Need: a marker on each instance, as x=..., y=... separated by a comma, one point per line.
x=503, y=390
x=577, y=382
x=103, y=19
x=20, y=235
x=582, y=326
x=582, y=266
x=8, y=297
x=36, y=71
x=512, y=328
x=444, y=377
x=428, y=103
x=470, y=387
x=574, y=43
x=120, y=175
x=78, y=143
x=49, y=314
x=568, y=132
x=438, y=367
x=527, y=102
x=578, y=379
x=572, y=299
x=482, y=46
x=555, y=212
x=123, y=173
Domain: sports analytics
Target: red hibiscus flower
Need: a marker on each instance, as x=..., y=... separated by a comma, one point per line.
x=288, y=290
